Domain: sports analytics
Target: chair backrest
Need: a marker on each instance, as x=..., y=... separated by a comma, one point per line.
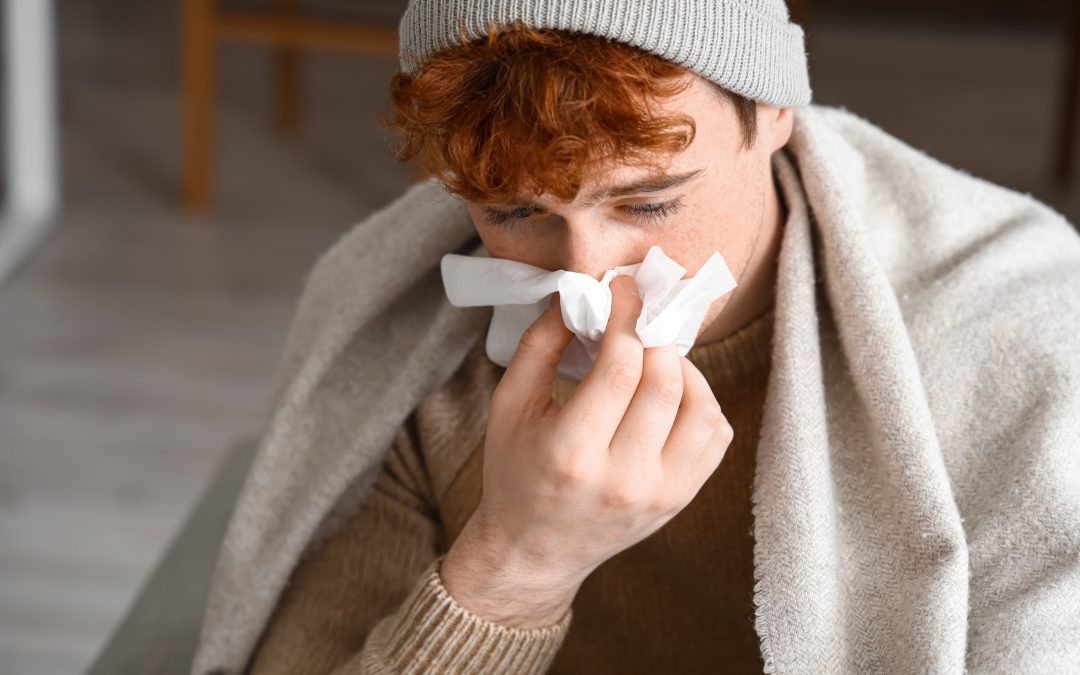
x=369, y=12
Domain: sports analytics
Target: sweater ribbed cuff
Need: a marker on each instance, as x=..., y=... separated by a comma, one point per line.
x=431, y=632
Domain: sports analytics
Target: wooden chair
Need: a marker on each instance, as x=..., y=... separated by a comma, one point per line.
x=287, y=27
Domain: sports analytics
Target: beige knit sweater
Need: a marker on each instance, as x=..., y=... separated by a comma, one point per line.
x=370, y=599
x=916, y=494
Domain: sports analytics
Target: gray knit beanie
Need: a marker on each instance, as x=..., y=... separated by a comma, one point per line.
x=749, y=47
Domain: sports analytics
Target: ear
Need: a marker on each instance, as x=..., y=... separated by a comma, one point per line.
x=775, y=125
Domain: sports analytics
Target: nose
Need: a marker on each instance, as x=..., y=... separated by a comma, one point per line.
x=586, y=248
x=580, y=254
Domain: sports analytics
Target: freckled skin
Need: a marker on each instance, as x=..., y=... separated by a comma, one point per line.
x=732, y=207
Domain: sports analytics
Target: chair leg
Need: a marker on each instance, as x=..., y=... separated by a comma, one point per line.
x=199, y=86
x=287, y=80
x=287, y=109
x=1066, y=136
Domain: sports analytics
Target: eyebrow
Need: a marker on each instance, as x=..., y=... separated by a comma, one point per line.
x=655, y=183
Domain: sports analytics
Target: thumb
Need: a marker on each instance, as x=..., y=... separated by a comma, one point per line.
x=530, y=377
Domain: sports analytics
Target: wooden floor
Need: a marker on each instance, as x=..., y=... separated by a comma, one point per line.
x=141, y=343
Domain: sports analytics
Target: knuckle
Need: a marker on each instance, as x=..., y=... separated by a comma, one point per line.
x=570, y=468
x=698, y=450
x=623, y=375
x=533, y=340
x=621, y=495
x=630, y=490
x=627, y=289
x=712, y=417
x=668, y=390
x=726, y=431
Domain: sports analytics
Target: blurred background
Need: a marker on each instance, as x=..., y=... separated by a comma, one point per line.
x=167, y=193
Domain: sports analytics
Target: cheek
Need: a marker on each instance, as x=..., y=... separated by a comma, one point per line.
x=510, y=245
x=495, y=241
x=693, y=235
x=711, y=223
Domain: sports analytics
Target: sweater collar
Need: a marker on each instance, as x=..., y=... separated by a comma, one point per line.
x=737, y=354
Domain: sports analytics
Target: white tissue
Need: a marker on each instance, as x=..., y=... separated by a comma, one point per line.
x=672, y=307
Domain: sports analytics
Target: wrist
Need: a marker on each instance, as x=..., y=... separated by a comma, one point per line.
x=495, y=584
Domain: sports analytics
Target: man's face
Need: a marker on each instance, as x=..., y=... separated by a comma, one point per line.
x=710, y=197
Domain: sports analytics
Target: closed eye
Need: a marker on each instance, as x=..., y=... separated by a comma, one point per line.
x=653, y=211
x=656, y=211
x=498, y=217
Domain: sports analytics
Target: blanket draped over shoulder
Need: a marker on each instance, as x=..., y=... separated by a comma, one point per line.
x=917, y=492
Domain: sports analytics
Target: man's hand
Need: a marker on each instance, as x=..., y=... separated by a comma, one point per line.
x=565, y=488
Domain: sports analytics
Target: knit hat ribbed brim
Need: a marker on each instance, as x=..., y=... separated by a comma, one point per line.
x=749, y=47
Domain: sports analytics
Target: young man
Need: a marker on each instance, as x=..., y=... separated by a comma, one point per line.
x=834, y=478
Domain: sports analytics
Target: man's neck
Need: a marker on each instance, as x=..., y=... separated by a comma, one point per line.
x=757, y=287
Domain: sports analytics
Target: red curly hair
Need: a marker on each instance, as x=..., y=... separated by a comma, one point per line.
x=534, y=108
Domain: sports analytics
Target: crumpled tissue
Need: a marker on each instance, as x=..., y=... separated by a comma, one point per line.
x=672, y=307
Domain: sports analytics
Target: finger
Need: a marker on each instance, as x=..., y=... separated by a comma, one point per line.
x=699, y=437
x=603, y=395
x=648, y=420
x=526, y=386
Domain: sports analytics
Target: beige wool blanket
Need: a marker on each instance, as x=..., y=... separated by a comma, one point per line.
x=917, y=489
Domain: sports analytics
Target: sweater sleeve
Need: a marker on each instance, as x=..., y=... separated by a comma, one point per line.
x=431, y=632
x=370, y=600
